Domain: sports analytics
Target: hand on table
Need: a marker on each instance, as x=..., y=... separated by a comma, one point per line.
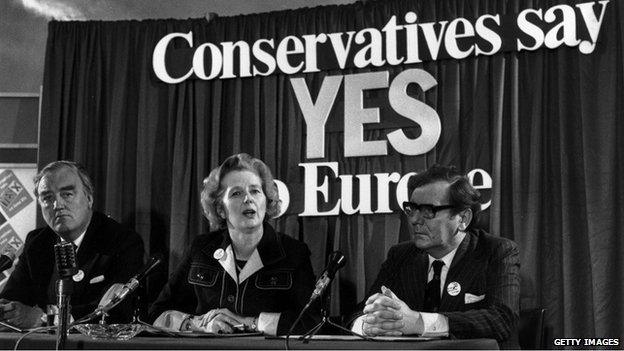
x=20, y=315
x=385, y=314
x=220, y=320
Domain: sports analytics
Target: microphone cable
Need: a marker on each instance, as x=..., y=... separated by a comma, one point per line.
x=34, y=330
x=295, y=323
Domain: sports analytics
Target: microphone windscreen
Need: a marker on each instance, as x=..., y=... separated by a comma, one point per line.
x=65, y=258
x=336, y=261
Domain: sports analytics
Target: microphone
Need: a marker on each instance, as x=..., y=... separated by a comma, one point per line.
x=127, y=288
x=153, y=262
x=336, y=261
x=6, y=260
x=65, y=258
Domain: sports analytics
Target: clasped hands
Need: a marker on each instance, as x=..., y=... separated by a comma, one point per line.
x=385, y=314
x=219, y=320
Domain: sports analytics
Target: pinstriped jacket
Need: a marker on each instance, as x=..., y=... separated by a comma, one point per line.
x=483, y=265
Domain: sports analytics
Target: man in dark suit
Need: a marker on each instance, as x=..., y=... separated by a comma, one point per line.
x=106, y=252
x=451, y=279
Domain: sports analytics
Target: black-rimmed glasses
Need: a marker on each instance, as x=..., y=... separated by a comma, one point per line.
x=426, y=210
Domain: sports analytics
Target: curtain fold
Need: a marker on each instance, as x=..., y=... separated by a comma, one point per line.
x=546, y=125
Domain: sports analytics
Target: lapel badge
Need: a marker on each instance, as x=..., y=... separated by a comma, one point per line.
x=78, y=276
x=453, y=288
x=218, y=254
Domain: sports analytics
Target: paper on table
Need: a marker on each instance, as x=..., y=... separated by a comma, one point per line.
x=194, y=334
x=353, y=337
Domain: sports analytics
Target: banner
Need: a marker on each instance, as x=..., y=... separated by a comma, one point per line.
x=393, y=44
x=17, y=209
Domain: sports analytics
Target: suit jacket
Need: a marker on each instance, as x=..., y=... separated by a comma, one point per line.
x=108, y=254
x=483, y=265
x=283, y=284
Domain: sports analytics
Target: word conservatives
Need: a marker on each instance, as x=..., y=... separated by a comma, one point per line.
x=177, y=56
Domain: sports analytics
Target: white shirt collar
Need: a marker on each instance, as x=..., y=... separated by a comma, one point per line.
x=79, y=239
x=448, y=259
x=228, y=263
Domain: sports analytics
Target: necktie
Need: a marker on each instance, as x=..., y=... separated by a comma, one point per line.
x=432, y=295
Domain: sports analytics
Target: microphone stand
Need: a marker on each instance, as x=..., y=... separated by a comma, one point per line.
x=325, y=306
x=64, y=289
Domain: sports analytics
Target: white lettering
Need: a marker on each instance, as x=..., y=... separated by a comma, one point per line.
x=364, y=207
x=316, y=114
x=485, y=184
x=567, y=27
x=283, y=51
x=355, y=115
x=228, y=59
x=158, y=58
x=198, y=61
x=531, y=29
x=370, y=53
x=310, y=205
x=433, y=41
x=486, y=33
x=390, y=30
x=341, y=50
x=263, y=57
x=415, y=110
x=592, y=23
x=310, y=52
x=453, y=33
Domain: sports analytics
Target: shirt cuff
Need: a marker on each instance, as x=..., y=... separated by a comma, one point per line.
x=171, y=320
x=434, y=324
x=267, y=322
x=358, y=325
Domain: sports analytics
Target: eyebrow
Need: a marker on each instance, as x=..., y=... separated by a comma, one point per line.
x=65, y=188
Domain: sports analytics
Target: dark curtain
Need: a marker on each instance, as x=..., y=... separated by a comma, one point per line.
x=547, y=125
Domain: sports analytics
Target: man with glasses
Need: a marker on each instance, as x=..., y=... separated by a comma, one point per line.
x=451, y=279
x=106, y=252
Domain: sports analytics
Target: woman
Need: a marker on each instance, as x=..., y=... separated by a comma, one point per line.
x=243, y=276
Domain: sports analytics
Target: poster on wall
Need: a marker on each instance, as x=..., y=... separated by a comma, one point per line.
x=18, y=209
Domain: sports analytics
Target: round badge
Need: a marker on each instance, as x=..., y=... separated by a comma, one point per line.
x=78, y=276
x=453, y=288
x=219, y=254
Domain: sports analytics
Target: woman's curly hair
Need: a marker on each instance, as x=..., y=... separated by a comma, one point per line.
x=212, y=191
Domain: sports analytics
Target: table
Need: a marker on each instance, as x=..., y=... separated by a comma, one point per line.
x=81, y=342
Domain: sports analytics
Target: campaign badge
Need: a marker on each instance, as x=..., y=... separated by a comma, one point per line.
x=453, y=288
x=218, y=254
x=78, y=276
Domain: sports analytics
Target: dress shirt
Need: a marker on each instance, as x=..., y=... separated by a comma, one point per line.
x=434, y=324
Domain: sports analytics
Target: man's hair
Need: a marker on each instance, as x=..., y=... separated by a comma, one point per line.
x=212, y=192
x=462, y=195
x=74, y=166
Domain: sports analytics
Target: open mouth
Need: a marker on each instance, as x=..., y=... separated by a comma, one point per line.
x=249, y=213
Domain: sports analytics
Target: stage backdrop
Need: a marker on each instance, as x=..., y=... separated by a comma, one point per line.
x=342, y=103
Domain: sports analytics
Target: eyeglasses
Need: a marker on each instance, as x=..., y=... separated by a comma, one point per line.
x=426, y=210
